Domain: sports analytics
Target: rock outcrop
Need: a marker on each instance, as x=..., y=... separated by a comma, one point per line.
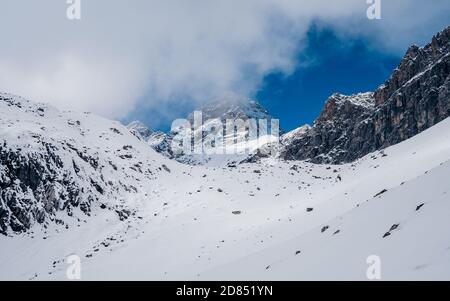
x=416, y=97
x=338, y=135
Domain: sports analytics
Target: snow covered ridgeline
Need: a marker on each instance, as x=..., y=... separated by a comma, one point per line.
x=55, y=165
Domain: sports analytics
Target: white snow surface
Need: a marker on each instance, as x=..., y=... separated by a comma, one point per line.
x=248, y=222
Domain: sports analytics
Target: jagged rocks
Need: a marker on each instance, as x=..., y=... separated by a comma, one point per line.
x=32, y=188
x=416, y=97
x=340, y=133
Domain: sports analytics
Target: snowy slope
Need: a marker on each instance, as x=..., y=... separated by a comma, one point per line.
x=62, y=167
x=248, y=221
x=406, y=226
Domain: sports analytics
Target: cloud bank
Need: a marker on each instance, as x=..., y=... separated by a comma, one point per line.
x=123, y=54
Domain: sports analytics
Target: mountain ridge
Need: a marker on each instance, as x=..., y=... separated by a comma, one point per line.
x=414, y=98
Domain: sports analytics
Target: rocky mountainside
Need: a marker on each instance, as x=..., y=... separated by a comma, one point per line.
x=338, y=135
x=60, y=167
x=416, y=97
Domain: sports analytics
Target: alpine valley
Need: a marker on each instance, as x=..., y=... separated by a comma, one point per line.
x=368, y=178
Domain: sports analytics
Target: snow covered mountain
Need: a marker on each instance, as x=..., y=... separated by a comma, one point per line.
x=214, y=117
x=78, y=184
x=284, y=220
x=61, y=167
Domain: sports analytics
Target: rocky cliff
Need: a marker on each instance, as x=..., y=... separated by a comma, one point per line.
x=416, y=97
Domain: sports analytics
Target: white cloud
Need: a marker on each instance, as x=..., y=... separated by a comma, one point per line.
x=123, y=52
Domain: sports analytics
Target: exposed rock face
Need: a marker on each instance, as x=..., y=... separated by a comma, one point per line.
x=339, y=134
x=416, y=97
x=33, y=188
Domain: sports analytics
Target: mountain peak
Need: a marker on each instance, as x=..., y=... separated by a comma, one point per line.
x=346, y=106
x=232, y=106
x=140, y=130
